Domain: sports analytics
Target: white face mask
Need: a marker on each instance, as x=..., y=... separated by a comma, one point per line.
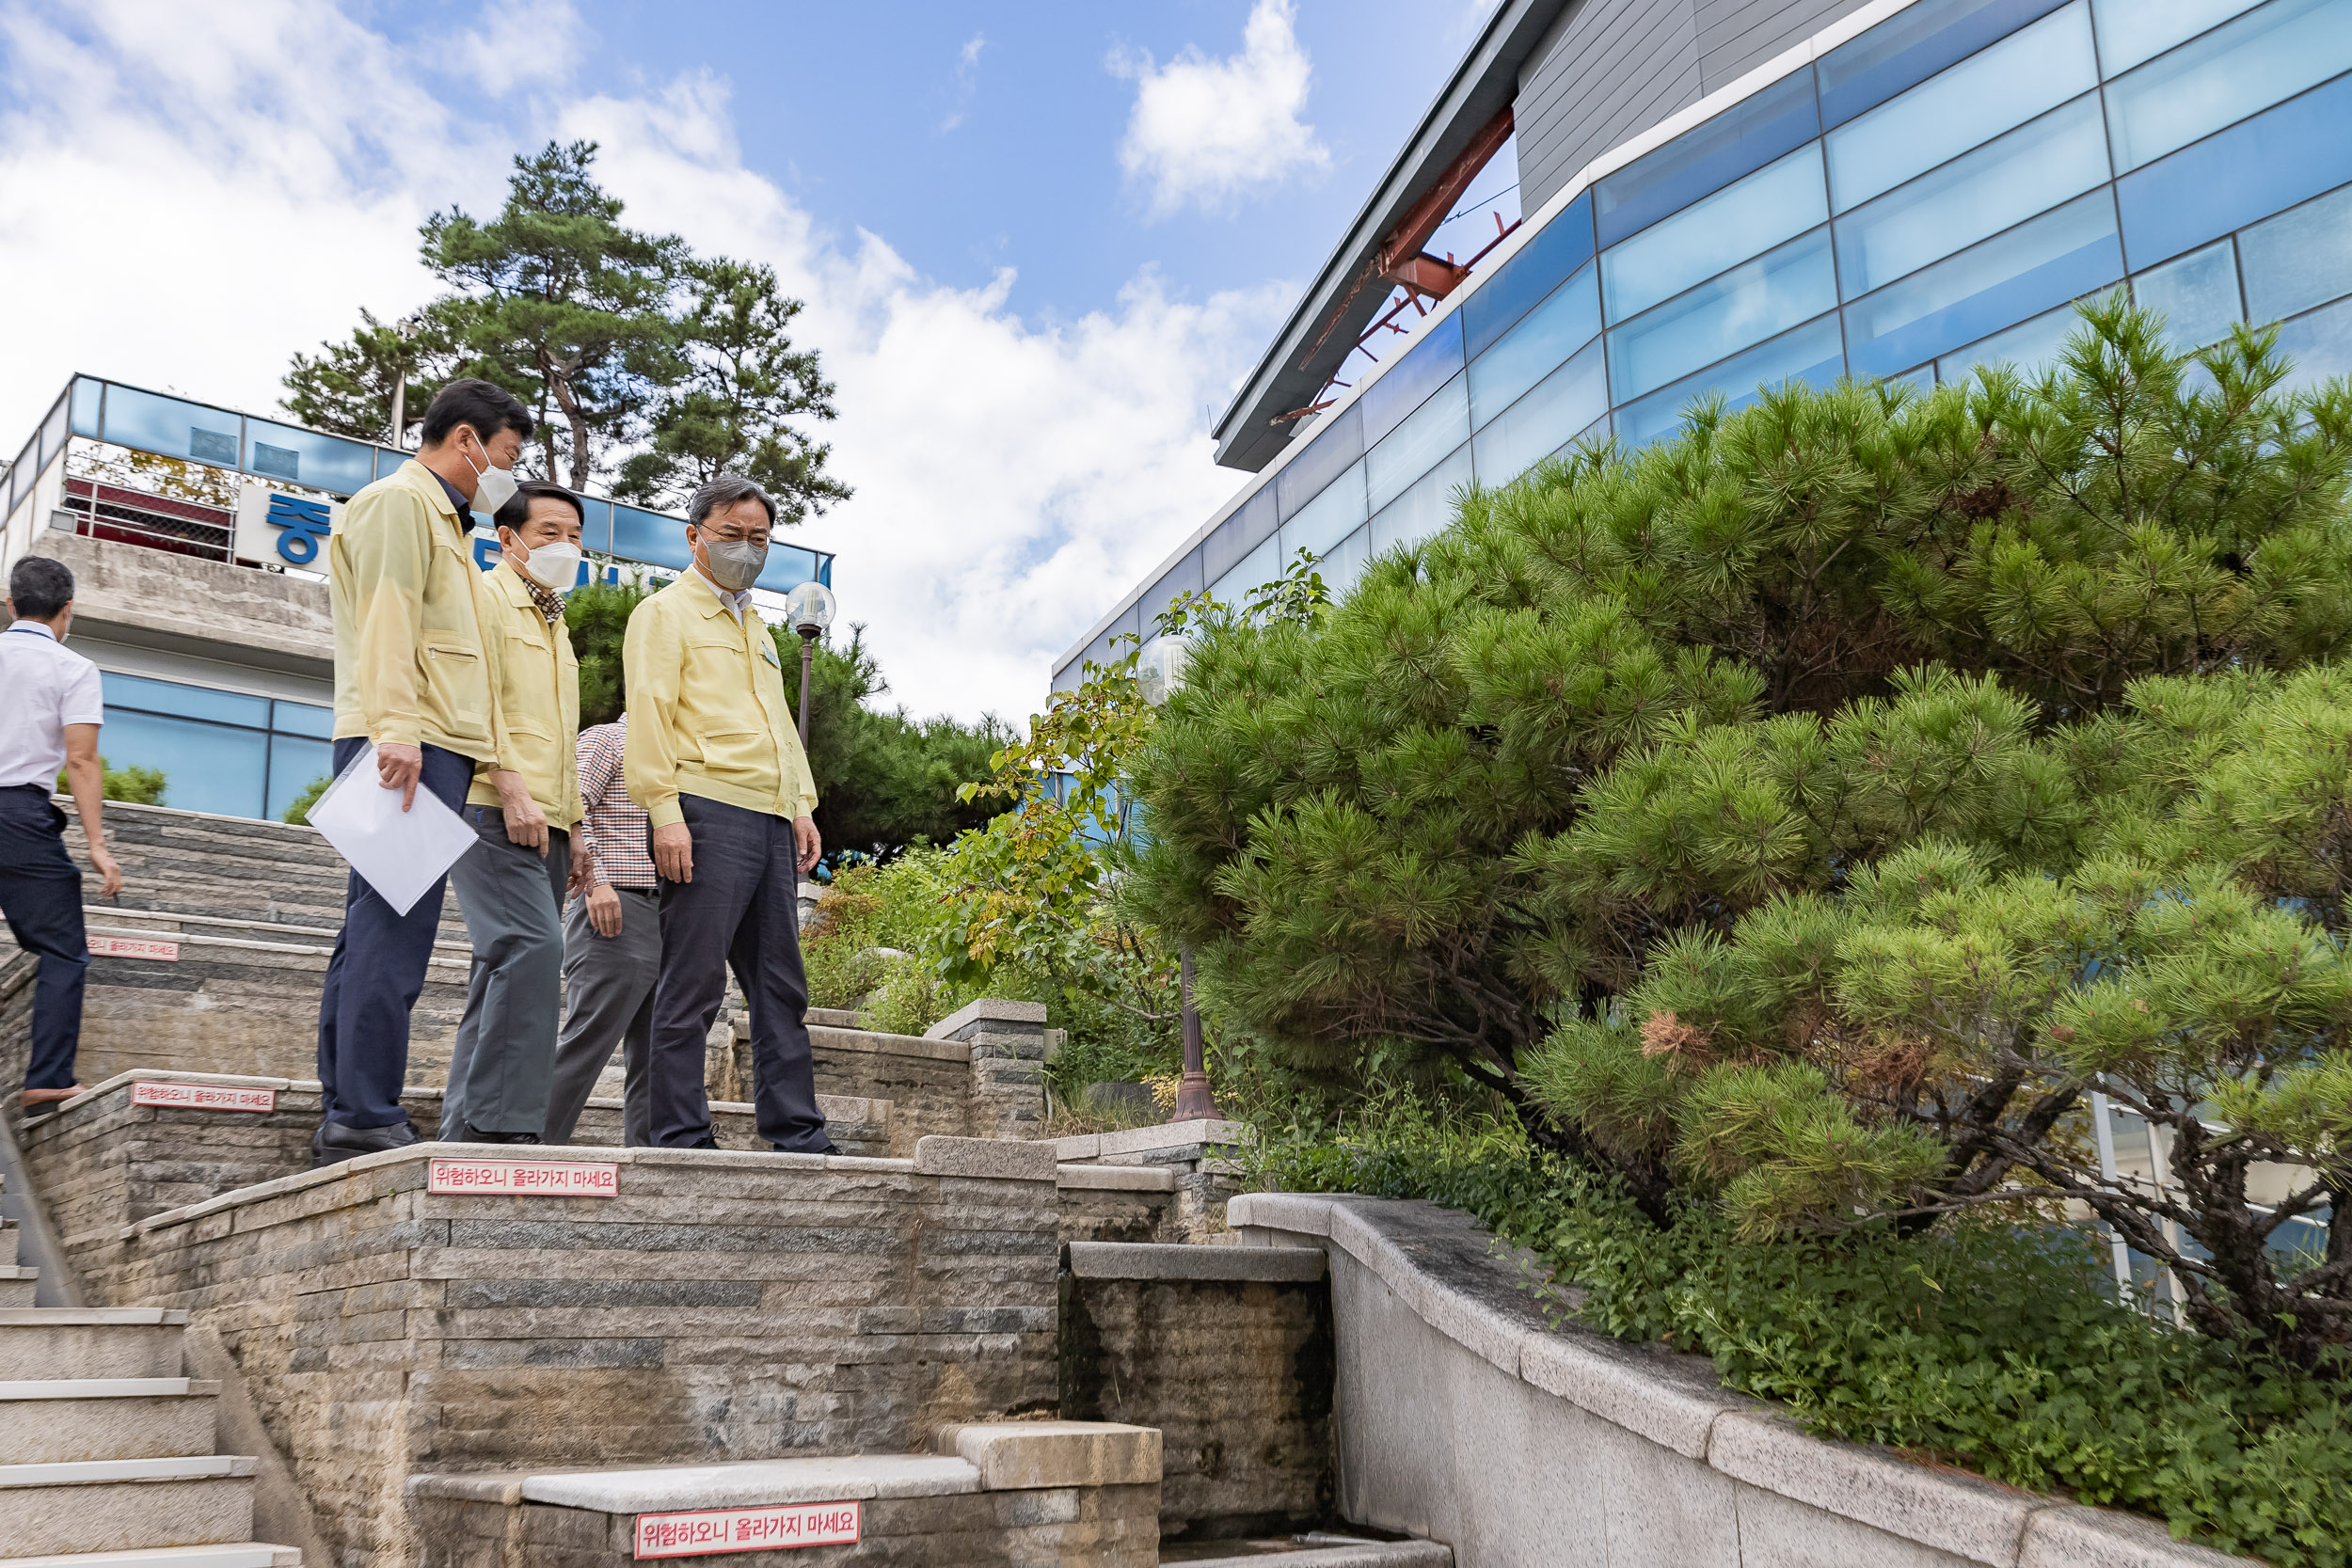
x=492, y=487
x=554, y=566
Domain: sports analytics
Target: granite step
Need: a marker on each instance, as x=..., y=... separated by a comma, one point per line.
x=41, y=1342
x=126, y=1504
x=17, y=1282
x=64, y=1421
x=1317, y=1549
x=241, y=1554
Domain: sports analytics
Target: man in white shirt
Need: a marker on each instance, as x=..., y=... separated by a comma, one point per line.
x=50, y=720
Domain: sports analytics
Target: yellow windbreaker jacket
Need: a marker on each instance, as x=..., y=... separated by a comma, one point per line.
x=409, y=664
x=538, y=694
x=707, y=714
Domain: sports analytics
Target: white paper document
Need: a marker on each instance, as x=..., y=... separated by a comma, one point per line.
x=401, y=853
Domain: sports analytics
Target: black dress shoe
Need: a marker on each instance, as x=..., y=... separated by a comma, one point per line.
x=705, y=1141
x=476, y=1136
x=334, y=1142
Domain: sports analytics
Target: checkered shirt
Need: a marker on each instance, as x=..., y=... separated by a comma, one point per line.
x=615, y=828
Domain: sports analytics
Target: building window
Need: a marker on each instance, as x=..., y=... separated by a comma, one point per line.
x=222, y=751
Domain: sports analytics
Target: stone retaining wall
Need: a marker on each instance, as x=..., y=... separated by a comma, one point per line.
x=1197, y=1157
x=1462, y=1416
x=1228, y=1352
x=102, y=1162
x=719, y=1306
x=1085, y=1495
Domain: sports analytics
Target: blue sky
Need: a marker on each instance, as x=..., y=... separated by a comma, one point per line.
x=1039, y=242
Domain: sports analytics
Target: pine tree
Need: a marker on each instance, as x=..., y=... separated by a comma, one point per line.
x=1805, y=814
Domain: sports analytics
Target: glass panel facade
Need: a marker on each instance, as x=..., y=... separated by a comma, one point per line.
x=2131, y=31
x=172, y=427
x=1326, y=519
x=650, y=537
x=1741, y=139
x=2030, y=347
x=1810, y=354
x=1426, y=366
x=88, y=393
x=52, y=431
x=2299, y=258
x=1775, y=203
x=2198, y=294
x=2057, y=257
x=1558, y=250
x=2245, y=173
x=1259, y=567
x=1328, y=456
x=190, y=702
x=1911, y=46
x=224, y=751
x=1974, y=201
x=294, y=765
x=302, y=456
x=1425, y=507
x=1346, y=562
x=1531, y=351
x=2026, y=73
x=1414, y=446
x=1543, y=421
x=2320, y=344
x=2006, y=180
x=2268, y=55
x=1750, y=303
x=1251, y=523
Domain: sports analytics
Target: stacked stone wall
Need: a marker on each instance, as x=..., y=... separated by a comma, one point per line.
x=721, y=1306
x=1229, y=1352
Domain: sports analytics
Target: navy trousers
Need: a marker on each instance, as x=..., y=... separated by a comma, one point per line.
x=378, y=971
x=739, y=910
x=40, y=892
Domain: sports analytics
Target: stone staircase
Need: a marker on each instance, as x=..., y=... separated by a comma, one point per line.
x=107, y=1448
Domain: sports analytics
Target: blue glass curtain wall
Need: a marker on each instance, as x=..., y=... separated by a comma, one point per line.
x=1930, y=197
x=224, y=751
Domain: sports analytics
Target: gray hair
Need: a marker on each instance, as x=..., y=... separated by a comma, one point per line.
x=725, y=492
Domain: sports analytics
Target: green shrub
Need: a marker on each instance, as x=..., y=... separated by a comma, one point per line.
x=298, y=810
x=137, y=785
x=1806, y=815
x=1982, y=1344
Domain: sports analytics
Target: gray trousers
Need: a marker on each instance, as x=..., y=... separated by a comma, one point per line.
x=608, y=1001
x=504, y=1056
x=740, y=911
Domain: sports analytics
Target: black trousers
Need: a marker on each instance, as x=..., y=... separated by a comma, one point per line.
x=378, y=972
x=41, y=893
x=738, y=911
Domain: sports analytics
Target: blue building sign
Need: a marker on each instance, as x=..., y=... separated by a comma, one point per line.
x=305, y=523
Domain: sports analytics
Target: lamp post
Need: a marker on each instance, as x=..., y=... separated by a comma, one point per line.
x=1159, y=670
x=809, y=610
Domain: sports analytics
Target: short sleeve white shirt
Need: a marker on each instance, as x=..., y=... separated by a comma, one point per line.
x=49, y=687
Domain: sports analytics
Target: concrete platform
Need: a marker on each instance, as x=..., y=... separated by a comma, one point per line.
x=1055, y=1492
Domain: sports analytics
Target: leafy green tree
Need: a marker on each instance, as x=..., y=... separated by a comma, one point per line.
x=347, y=387
x=732, y=408
x=1804, y=814
x=561, y=303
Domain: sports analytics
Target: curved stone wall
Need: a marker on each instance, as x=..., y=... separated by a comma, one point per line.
x=1462, y=1416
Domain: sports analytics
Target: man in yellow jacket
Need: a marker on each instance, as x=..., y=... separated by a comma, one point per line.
x=510, y=884
x=714, y=759
x=411, y=676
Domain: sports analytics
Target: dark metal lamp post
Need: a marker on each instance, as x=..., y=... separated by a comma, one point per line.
x=1159, y=670
x=809, y=611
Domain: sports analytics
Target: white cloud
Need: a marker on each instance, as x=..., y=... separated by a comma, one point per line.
x=523, y=44
x=1205, y=132
x=203, y=210
x=967, y=81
